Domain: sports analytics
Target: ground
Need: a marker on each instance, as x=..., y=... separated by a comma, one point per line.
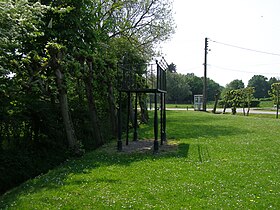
x=144, y=146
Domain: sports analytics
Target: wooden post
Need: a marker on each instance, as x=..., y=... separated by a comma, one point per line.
x=205, y=75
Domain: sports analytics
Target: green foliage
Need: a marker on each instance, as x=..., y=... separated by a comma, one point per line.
x=235, y=84
x=261, y=86
x=178, y=87
x=59, y=58
x=239, y=98
x=275, y=93
x=172, y=68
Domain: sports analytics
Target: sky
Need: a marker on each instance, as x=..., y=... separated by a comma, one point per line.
x=250, y=24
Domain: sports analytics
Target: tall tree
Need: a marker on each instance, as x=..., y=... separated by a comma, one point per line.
x=212, y=89
x=261, y=85
x=235, y=84
x=178, y=88
x=196, y=85
x=275, y=93
x=172, y=68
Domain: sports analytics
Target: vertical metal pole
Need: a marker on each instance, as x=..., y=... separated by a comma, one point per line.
x=161, y=118
x=156, y=126
x=135, y=136
x=150, y=96
x=157, y=79
x=164, y=117
x=205, y=75
x=128, y=115
x=119, y=146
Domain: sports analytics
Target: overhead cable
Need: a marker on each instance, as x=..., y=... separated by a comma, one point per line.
x=244, y=48
x=236, y=70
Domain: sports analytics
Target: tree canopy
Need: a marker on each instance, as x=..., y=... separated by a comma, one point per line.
x=261, y=85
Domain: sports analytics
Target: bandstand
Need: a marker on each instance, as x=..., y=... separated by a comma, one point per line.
x=153, y=82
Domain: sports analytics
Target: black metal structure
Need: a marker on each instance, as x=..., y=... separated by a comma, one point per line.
x=150, y=79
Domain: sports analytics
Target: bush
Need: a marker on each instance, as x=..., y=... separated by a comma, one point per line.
x=19, y=165
x=254, y=103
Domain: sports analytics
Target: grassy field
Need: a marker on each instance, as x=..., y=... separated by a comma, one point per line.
x=214, y=162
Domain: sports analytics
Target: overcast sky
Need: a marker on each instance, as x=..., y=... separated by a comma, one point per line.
x=250, y=24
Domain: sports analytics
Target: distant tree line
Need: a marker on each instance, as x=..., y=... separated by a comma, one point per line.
x=182, y=88
x=259, y=88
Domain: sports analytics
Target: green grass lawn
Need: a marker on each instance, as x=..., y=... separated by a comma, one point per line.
x=221, y=162
x=181, y=106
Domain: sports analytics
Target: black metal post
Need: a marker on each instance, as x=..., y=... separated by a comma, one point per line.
x=157, y=79
x=161, y=118
x=128, y=115
x=150, y=96
x=119, y=125
x=135, y=135
x=164, y=117
x=156, y=126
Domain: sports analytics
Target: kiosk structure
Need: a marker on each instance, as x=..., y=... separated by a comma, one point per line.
x=153, y=76
x=198, y=102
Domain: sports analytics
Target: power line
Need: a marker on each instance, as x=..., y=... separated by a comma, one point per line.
x=238, y=70
x=244, y=48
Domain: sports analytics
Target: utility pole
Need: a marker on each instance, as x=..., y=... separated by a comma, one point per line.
x=205, y=75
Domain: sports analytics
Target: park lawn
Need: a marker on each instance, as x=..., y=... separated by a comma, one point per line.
x=180, y=106
x=218, y=162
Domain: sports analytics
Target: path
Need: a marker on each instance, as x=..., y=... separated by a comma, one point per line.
x=228, y=110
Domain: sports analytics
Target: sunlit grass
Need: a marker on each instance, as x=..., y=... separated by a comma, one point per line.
x=221, y=162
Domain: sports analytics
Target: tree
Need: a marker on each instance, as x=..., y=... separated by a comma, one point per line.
x=261, y=86
x=216, y=102
x=146, y=21
x=56, y=54
x=196, y=85
x=212, y=89
x=273, y=80
x=247, y=95
x=59, y=67
x=172, y=68
x=235, y=84
x=178, y=87
x=275, y=93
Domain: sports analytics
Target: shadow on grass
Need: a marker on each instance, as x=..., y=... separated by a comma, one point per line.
x=83, y=167
x=178, y=127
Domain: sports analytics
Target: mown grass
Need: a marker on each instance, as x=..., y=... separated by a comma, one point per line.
x=221, y=162
x=181, y=106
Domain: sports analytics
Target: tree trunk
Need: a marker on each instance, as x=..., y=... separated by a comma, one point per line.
x=225, y=107
x=233, y=109
x=243, y=108
x=64, y=108
x=249, y=106
x=131, y=112
x=56, y=55
x=92, y=107
x=216, y=103
x=143, y=107
x=112, y=110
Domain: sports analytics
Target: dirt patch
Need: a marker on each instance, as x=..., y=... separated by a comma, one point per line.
x=143, y=146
